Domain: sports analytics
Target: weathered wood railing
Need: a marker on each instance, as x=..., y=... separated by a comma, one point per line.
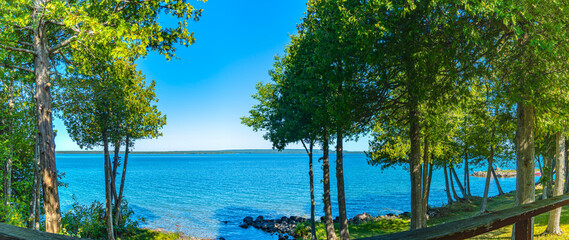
x=471, y=227
x=9, y=232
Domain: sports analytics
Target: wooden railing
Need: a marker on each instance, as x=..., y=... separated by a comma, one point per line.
x=9, y=232
x=471, y=227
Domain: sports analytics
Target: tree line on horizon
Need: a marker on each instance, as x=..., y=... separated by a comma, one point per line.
x=437, y=84
x=76, y=59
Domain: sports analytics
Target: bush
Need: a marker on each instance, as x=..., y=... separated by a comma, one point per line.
x=89, y=221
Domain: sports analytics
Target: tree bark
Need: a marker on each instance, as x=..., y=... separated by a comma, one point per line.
x=108, y=194
x=452, y=185
x=449, y=198
x=118, y=202
x=415, y=165
x=460, y=187
x=8, y=173
x=544, y=179
x=466, y=173
x=566, y=188
x=525, y=185
x=425, y=183
x=34, y=220
x=555, y=215
x=330, y=232
x=44, y=121
x=500, y=192
x=114, y=167
x=344, y=231
x=312, y=200
x=487, y=185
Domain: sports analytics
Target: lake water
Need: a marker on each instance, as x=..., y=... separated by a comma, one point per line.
x=197, y=193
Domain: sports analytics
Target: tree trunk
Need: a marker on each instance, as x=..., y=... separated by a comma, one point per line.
x=415, y=166
x=44, y=122
x=114, y=167
x=108, y=194
x=566, y=188
x=555, y=215
x=500, y=192
x=447, y=189
x=330, y=232
x=466, y=174
x=426, y=197
x=460, y=187
x=312, y=200
x=550, y=179
x=34, y=220
x=118, y=202
x=344, y=231
x=525, y=185
x=544, y=179
x=487, y=185
x=452, y=185
x=425, y=192
x=8, y=173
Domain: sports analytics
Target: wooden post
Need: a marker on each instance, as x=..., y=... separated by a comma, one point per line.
x=523, y=230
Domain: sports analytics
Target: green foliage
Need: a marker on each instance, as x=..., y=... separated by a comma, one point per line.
x=89, y=221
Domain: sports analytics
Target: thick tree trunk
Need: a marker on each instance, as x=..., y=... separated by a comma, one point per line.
x=344, y=231
x=44, y=122
x=118, y=202
x=415, y=166
x=447, y=189
x=330, y=232
x=425, y=183
x=555, y=215
x=500, y=192
x=460, y=187
x=487, y=185
x=108, y=192
x=525, y=183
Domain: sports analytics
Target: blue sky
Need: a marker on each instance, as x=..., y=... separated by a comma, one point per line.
x=207, y=90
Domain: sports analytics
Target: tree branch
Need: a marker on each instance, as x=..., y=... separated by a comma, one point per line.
x=18, y=49
x=62, y=44
x=16, y=67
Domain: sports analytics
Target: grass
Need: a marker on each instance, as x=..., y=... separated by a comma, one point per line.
x=454, y=212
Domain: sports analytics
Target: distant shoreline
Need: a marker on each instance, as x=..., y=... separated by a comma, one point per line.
x=245, y=151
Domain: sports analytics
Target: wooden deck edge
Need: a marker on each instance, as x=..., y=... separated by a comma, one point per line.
x=475, y=226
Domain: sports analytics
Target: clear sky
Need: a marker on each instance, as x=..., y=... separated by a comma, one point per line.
x=207, y=90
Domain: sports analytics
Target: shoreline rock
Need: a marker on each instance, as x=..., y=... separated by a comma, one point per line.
x=500, y=173
x=284, y=226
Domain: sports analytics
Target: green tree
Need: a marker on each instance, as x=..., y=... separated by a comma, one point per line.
x=51, y=31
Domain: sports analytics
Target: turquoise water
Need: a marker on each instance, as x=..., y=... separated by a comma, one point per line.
x=198, y=193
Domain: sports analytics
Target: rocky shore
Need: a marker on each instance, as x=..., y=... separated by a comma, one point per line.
x=285, y=227
x=501, y=173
